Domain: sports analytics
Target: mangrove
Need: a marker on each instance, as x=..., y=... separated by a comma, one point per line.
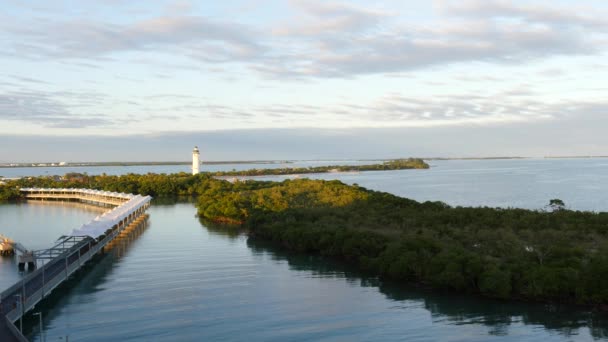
x=552, y=254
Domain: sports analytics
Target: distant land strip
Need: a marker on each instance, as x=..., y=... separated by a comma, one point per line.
x=574, y=157
x=140, y=163
x=224, y=162
x=551, y=255
x=397, y=164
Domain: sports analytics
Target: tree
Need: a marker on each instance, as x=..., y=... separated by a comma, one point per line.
x=557, y=204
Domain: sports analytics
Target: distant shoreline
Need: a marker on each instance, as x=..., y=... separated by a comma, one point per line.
x=100, y=164
x=268, y=162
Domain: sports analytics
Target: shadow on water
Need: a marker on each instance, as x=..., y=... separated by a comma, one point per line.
x=225, y=230
x=68, y=204
x=232, y=232
x=455, y=309
x=170, y=201
x=85, y=281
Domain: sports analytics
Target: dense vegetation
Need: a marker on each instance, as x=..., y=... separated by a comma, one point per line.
x=8, y=192
x=157, y=185
x=551, y=255
x=396, y=164
x=180, y=184
x=555, y=255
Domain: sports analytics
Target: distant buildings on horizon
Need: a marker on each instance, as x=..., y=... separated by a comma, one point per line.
x=34, y=164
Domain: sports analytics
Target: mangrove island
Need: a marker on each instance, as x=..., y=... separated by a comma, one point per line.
x=551, y=254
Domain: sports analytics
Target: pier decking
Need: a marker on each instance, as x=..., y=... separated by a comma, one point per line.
x=72, y=251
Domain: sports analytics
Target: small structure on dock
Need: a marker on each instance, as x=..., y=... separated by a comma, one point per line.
x=26, y=257
x=6, y=246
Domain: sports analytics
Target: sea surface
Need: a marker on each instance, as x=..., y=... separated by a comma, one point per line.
x=14, y=172
x=176, y=279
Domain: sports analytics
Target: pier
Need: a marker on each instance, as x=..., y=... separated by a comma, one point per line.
x=69, y=253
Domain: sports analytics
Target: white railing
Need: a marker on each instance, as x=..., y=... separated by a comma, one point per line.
x=25, y=294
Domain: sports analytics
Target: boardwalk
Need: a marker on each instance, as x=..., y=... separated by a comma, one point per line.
x=71, y=252
x=8, y=332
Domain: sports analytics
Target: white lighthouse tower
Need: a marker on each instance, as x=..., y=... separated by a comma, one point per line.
x=195, y=161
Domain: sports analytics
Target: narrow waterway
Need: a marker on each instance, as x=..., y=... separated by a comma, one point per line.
x=177, y=280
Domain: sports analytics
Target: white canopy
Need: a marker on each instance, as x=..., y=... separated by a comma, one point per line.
x=107, y=220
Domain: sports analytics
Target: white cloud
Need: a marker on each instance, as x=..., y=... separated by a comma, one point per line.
x=312, y=44
x=330, y=39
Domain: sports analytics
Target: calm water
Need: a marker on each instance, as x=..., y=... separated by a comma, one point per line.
x=526, y=183
x=142, y=169
x=529, y=183
x=177, y=280
x=37, y=225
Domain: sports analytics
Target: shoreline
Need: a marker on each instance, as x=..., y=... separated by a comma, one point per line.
x=152, y=163
x=9, y=165
x=293, y=175
x=503, y=253
x=510, y=254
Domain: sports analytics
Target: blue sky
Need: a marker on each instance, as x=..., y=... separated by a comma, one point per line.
x=302, y=79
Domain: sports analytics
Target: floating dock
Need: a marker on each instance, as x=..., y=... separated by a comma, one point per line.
x=70, y=252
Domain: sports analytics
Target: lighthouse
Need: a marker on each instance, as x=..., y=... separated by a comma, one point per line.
x=195, y=161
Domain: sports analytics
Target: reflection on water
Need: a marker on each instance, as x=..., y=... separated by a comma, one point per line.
x=450, y=309
x=71, y=205
x=85, y=282
x=121, y=244
x=177, y=279
x=232, y=232
x=37, y=225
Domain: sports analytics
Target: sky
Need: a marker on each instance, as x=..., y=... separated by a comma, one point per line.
x=110, y=80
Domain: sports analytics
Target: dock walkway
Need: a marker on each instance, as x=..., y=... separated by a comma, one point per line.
x=71, y=252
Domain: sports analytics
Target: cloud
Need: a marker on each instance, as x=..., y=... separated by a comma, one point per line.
x=512, y=105
x=44, y=109
x=345, y=41
x=581, y=135
x=452, y=40
x=28, y=106
x=325, y=39
x=530, y=11
x=321, y=18
x=196, y=36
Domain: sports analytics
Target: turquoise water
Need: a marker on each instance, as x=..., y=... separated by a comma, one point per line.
x=177, y=280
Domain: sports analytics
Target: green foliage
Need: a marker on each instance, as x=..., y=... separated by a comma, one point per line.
x=229, y=202
x=560, y=255
x=557, y=204
x=157, y=185
x=397, y=164
x=503, y=253
x=9, y=192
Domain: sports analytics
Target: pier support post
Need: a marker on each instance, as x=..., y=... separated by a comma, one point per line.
x=43, y=282
x=27, y=257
